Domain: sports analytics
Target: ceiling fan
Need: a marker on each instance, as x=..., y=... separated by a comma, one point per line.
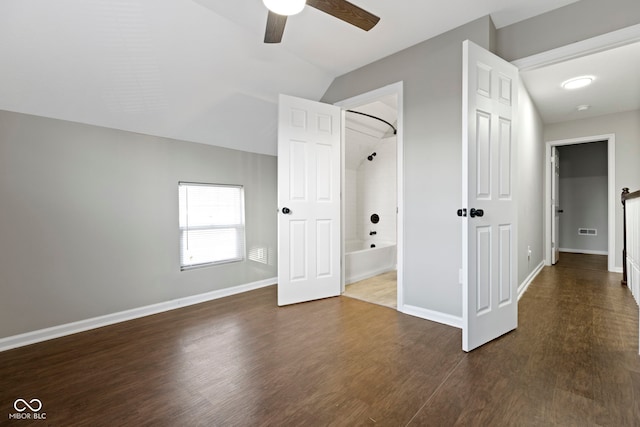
x=279, y=10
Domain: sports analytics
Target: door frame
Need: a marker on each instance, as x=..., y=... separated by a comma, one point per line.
x=581, y=48
x=611, y=196
x=555, y=215
x=353, y=102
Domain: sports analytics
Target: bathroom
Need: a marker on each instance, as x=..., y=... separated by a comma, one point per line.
x=370, y=204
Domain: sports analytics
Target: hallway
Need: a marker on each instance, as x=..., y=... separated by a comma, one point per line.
x=242, y=360
x=573, y=361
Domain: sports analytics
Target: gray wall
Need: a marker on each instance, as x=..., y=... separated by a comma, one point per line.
x=626, y=127
x=575, y=22
x=432, y=76
x=583, y=196
x=89, y=221
x=530, y=175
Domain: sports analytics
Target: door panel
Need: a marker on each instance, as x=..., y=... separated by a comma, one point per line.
x=483, y=155
x=506, y=249
x=308, y=200
x=505, y=159
x=490, y=237
x=298, y=170
x=324, y=170
x=324, y=253
x=298, y=259
x=483, y=270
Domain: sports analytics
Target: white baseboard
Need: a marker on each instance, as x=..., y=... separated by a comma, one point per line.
x=434, y=316
x=525, y=285
x=455, y=321
x=109, y=319
x=583, y=251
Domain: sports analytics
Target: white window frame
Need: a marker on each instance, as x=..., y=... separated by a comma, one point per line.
x=183, y=226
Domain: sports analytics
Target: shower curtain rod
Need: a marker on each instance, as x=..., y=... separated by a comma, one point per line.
x=395, y=131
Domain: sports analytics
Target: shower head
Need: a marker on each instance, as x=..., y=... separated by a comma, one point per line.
x=371, y=156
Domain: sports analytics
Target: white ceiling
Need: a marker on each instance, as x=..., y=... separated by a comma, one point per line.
x=197, y=70
x=616, y=86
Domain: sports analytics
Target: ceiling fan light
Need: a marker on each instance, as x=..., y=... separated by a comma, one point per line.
x=285, y=7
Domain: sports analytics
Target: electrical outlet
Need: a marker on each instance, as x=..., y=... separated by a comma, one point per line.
x=528, y=253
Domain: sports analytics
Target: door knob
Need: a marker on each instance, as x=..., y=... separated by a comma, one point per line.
x=462, y=212
x=476, y=212
x=286, y=211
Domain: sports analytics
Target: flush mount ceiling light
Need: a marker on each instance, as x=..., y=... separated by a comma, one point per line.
x=578, y=82
x=285, y=7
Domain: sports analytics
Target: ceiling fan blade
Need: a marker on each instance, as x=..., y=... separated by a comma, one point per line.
x=348, y=12
x=275, y=28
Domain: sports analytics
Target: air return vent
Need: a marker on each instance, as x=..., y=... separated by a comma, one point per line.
x=587, y=231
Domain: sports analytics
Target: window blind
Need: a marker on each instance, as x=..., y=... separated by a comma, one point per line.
x=211, y=218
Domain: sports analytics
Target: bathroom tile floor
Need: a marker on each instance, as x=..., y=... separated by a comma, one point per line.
x=381, y=289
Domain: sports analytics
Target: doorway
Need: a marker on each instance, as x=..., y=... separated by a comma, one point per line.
x=609, y=42
x=372, y=196
x=551, y=209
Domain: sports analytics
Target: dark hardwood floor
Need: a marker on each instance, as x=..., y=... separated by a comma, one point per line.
x=242, y=361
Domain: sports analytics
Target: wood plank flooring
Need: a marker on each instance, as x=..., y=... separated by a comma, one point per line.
x=573, y=361
x=242, y=361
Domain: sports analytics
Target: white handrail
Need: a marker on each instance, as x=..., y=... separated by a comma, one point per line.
x=632, y=246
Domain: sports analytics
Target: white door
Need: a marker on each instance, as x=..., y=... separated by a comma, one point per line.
x=309, y=137
x=489, y=264
x=555, y=205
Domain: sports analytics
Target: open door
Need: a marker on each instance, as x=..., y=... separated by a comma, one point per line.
x=309, y=138
x=489, y=259
x=555, y=206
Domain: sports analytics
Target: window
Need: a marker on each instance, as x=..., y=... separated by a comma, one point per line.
x=211, y=224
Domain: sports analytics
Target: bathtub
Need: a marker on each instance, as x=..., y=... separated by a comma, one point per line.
x=362, y=261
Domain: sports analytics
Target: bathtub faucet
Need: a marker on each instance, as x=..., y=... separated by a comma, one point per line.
x=371, y=233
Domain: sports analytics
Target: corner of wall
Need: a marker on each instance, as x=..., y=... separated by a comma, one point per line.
x=493, y=36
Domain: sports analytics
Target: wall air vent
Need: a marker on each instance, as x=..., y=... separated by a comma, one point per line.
x=587, y=231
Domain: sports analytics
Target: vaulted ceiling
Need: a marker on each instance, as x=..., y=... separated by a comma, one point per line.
x=197, y=70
